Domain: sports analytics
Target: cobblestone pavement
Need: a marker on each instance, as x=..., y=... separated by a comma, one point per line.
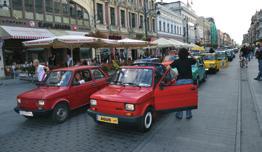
x=213, y=127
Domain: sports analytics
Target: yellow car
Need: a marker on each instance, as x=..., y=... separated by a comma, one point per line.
x=212, y=64
x=223, y=59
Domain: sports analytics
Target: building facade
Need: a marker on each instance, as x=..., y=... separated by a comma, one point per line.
x=22, y=20
x=169, y=24
x=189, y=19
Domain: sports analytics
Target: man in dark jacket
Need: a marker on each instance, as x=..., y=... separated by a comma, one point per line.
x=184, y=68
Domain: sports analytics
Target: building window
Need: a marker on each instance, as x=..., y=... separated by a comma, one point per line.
x=154, y=25
x=168, y=29
x=72, y=10
x=79, y=12
x=160, y=26
x=49, y=6
x=141, y=22
x=57, y=6
x=164, y=26
x=100, y=13
x=112, y=16
x=123, y=18
x=133, y=17
x=65, y=6
x=29, y=5
x=175, y=29
x=172, y=30
x=17, y=4
x=180, y=32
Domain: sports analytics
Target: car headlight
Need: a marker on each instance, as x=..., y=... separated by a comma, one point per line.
x=41, y=102
x=130, y=107
x=18, y=100
x=93, y=102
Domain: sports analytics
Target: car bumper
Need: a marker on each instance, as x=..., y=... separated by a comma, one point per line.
x=121, y=119
x=211, y=69
x=34, y=112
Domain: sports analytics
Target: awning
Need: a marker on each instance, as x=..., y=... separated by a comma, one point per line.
x=11, y=32
x=62, y=32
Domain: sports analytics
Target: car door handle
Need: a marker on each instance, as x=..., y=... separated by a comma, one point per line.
x=193, y=88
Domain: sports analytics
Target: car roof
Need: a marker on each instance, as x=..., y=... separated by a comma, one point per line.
x=75, y=68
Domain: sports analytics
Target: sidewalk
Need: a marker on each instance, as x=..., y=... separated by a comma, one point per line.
x=256, y=89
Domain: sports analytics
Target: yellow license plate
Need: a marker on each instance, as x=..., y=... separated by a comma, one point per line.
x=107, y=119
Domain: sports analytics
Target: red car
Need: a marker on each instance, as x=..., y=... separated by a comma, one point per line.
x=63, y=90
x=136, y=92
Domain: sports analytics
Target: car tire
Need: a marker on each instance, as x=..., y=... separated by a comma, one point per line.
x=60, y=113
x=29, y=117
x=146, y=121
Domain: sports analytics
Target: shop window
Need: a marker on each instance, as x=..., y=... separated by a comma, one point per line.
x=4, y=8
x=39, y=6
x=29, y=5
x=72, y=11
x=17, y=4
x=80, y=13
x=112, y=16
x=57, y=6
x=65, y=6
x=100, y=13
x=49, y=6
x=123, y=18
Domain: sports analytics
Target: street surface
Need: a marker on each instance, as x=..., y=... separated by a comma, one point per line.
x=226, y=121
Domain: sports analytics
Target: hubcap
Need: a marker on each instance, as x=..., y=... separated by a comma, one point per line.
x=61, y=113
x=148, y=120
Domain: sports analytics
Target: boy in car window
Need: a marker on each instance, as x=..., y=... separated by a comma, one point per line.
x=184, y=68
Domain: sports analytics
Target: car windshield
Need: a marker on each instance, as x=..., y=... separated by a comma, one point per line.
x=58, y=78
x=209, y=57
x=133, y=77
x=221, y=55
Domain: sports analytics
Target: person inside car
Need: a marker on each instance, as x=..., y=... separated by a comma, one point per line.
x=184, y=68
x=78, y=78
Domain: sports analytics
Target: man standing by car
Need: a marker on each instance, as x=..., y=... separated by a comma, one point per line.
x=40, y=70
x=259, y=58
x=184, y=68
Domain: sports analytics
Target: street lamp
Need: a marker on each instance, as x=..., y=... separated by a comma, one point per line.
x=146, y=12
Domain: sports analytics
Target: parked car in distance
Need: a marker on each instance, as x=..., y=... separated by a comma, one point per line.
x=198, y=69
x=211, y=62
x=63, y=90
x=136, y=93
x=230, y=55
x=222, y=58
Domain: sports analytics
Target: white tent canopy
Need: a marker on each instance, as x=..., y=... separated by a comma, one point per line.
x=162, y=42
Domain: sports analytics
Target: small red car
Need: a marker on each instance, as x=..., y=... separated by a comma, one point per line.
x=136, y=92
x=63, y=90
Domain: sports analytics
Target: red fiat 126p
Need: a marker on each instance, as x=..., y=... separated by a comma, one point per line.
x=63, y=90
x=136, y=92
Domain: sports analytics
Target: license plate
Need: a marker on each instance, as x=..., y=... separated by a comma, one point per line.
x=26, y=113
x=107, y=119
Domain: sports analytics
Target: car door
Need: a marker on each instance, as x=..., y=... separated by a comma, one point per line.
x=99, y=77
x=169, y=96
x=80, y=89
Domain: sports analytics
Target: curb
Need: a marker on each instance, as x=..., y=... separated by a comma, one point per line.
x=238, y=121
x=257, y=110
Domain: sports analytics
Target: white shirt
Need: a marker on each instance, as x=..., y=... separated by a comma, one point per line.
x=40, y=72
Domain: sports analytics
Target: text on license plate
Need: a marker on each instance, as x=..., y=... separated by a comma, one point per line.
x=107, y=119
x=26, y=113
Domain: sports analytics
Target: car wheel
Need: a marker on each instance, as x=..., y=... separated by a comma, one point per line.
x=29, y=117
x=60, y=113
x=147, y=121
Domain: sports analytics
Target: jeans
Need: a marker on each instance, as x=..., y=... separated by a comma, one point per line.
x=188, y=112
x=259, y=76
x=184, y=81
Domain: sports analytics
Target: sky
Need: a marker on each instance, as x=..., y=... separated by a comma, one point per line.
x=231, y=16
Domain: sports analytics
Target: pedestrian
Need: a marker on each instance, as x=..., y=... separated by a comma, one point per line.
x=69, y=61
x=259, y=58
x=244, y=53
x=184, y=68
x=51, y=60
x=40, y=70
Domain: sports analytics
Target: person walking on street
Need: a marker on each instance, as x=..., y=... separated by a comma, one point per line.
x=259, y=58
x=184, y=68
x=244, y=55
x=40, y=70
